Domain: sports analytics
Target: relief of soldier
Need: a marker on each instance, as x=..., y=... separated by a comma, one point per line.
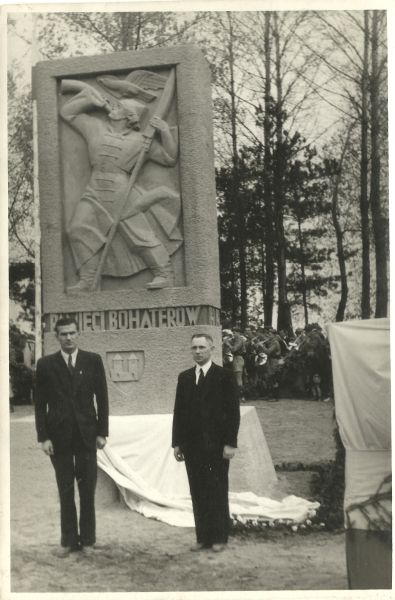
x=114, y=214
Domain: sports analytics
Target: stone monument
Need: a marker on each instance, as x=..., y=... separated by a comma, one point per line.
x=128, y=214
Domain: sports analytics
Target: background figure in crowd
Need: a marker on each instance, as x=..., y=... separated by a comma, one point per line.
x=227, y=355
x=318, y=370
x=297, y=364
x=250, y=373
x=238, y=348
x=316, y=387
x=272, y=347
x=70, y=430
x=205, y=426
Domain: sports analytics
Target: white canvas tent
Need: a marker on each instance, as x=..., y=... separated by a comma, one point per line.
x=360, y=353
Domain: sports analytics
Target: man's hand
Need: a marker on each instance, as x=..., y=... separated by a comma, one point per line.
x=159, y=124
x=178, y=455
x=228, y=452
x=100, y=442
x=47, y=447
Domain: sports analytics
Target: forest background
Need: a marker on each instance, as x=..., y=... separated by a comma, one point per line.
x=301, y=152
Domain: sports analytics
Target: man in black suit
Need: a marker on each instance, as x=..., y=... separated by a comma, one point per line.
x=205, y=426
x=70, y=430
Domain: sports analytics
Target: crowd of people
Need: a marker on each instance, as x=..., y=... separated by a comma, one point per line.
x=268, y=363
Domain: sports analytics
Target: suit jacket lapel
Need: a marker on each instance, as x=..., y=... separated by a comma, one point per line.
x=209, y=382
x=78, y=369
x=191, y=381
x=64, y=372
x=62, y=367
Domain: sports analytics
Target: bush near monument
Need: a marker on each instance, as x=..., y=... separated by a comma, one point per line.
x=22, y=381
x=21, y=376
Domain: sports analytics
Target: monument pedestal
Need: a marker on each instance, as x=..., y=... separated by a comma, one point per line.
x=142, y=444
x=106, y=490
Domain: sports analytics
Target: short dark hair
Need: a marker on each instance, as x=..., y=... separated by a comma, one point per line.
x=63, y=321
x=205, y=335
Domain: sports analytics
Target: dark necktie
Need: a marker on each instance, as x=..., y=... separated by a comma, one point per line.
x=70, y=365
x=200, y=382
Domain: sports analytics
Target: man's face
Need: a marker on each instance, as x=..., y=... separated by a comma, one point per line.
x=67, y=336
x=120, y=113
x=117, y=112
x=132, y=120
x=201, y=350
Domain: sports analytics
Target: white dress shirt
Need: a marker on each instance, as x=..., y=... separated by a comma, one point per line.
x=204, y=368
x=73, y=357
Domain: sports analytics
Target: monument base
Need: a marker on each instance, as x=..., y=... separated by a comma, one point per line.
x=106, y=490
x=153, y=356
x=152, y=466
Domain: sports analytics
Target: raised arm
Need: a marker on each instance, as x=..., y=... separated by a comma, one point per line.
x=86, y=98
x=168, y=151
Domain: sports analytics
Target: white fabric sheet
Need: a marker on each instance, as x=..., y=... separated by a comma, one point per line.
x=140, y=460
x=361, y=372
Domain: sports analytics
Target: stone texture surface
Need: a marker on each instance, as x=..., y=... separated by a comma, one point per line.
x=166, y=353
x=196, y=166
x=252, y=469
x=166, y=350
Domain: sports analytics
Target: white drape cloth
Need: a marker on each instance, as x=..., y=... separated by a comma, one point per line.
x=140, y=460
x=361, y=373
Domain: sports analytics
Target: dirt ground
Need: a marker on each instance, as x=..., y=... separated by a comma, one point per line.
x=135, y=554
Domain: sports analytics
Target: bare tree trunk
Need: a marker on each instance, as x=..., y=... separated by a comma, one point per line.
x=235, y=293
x=341, y=259
x=236, y=197
x=379, y=221
x=302, y=269
x=364, y=200
x=339, y=235
x=138, y=31
x=262, y=249
x=267, y=187
x=125, y=31
x=284, y=320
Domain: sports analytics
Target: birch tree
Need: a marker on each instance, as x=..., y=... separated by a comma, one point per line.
x=355, y=52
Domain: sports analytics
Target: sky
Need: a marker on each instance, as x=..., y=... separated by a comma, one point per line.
x=22, y=53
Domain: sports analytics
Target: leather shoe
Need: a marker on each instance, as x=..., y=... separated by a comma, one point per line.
x=218, y=547
x=88, y=550
x=198, y=547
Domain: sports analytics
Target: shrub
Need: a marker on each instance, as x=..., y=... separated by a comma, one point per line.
x=21, y=378
x=328, y=488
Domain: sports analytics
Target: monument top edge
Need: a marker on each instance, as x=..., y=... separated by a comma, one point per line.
x=161, y=56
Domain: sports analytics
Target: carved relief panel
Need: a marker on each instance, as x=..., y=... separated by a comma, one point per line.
x=121, y=187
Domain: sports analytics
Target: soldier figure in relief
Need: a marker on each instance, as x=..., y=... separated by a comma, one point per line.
x=114, y=144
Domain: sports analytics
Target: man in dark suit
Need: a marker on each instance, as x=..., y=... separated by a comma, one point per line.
x=70, y=429
x=205, y=426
